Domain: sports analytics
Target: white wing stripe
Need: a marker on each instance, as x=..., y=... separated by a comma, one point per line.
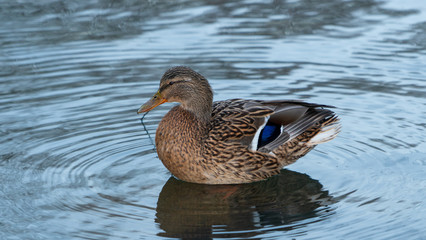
x=254, y=143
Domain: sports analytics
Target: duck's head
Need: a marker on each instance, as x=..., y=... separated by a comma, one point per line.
x=183, y=85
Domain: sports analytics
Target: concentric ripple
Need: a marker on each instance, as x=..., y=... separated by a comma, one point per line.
x=77, y=163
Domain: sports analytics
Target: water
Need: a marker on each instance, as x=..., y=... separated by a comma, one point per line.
x=75, y=161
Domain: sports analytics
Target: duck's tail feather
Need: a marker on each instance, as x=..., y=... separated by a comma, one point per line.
x=329, y=129
x=319, y=126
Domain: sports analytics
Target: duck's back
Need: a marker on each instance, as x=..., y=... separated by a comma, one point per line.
x=251, y=140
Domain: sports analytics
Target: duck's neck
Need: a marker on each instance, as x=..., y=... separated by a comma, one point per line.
x=180, y=128
x=201, y=108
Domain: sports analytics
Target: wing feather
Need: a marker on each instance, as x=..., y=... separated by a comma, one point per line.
x=238, y=120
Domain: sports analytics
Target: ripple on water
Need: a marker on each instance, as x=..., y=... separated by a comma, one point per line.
x=92, y=169
x=382, y=187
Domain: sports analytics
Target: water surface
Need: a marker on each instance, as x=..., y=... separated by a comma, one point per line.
x=75, y=161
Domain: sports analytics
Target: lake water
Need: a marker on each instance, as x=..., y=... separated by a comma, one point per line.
x=76, y=162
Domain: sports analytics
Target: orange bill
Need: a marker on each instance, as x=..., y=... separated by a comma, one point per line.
x=155, y=101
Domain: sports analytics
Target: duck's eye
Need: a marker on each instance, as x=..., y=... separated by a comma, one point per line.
x=171, y=83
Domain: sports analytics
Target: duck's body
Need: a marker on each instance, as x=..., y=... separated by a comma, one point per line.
x=232, y=141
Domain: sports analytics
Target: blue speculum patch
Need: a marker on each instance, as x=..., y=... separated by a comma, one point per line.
x=270, y=132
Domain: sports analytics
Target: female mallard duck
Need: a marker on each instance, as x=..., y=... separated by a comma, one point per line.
x=232, y=141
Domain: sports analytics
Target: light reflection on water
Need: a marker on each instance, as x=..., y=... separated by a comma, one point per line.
x=75, y=161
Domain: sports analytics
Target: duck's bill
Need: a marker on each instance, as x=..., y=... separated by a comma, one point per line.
x=155, y=101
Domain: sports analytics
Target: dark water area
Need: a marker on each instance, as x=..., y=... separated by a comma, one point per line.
x=76, y=162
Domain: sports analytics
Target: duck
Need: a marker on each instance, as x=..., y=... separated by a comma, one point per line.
x=233, y=141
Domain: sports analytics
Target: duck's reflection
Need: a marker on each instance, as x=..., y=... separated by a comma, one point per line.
x=187, y=210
